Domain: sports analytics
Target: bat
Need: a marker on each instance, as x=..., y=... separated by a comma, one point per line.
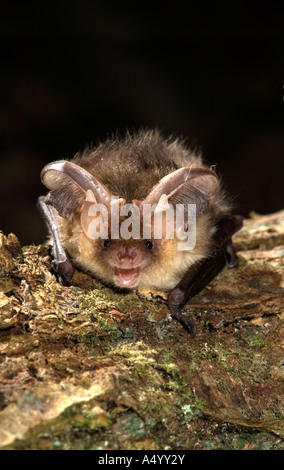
x=140, y=212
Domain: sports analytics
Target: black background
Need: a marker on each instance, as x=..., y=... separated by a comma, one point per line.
x=74, y=72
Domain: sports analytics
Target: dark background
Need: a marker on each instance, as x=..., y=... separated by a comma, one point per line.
x=74, y=72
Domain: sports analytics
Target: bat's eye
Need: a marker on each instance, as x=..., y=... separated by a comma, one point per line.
x=106, y=243
x=149, y=245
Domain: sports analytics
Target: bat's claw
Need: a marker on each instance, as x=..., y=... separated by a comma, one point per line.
x=231, y=257
x=65, y=271
x=188, y=325
x=175, y=300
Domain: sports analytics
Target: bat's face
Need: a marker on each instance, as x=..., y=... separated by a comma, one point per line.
x=127, y=259
x=126, y=250
x=145, y=263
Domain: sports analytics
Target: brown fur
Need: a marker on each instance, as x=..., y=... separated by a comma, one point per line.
x=129, y=167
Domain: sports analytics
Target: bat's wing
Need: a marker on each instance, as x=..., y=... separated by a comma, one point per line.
x=201, y=273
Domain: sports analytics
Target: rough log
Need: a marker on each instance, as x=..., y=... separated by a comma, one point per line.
x=84, y=367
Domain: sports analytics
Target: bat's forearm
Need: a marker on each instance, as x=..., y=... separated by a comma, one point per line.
x=62, y=263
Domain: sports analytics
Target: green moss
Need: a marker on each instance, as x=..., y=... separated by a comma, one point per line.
x=93, y=305
x=143, y=360
x=255, y=341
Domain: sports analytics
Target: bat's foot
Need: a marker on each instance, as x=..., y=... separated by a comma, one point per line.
x=188, y=325
x=64, y=271
x=230, y=254
x=175, y=300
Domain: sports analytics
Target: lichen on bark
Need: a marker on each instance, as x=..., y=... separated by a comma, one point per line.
x=84, y=367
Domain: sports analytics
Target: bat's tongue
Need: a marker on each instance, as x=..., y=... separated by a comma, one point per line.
x=126, y=277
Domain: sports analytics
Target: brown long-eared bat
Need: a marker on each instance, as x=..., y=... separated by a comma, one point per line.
x=140, y=212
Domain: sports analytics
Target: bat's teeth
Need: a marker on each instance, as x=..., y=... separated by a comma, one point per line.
x=126, y=277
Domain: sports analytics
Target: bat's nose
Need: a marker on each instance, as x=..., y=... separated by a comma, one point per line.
x=126, y=254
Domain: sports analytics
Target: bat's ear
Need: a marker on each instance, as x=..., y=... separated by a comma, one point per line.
x=188, y=185
x=69, y=184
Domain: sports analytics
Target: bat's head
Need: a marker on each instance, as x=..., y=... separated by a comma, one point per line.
x=124, y=243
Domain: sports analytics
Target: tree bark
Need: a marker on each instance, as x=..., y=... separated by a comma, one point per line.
x=84, y=367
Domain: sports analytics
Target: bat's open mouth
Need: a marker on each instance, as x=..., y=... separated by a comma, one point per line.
x=126, y=277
